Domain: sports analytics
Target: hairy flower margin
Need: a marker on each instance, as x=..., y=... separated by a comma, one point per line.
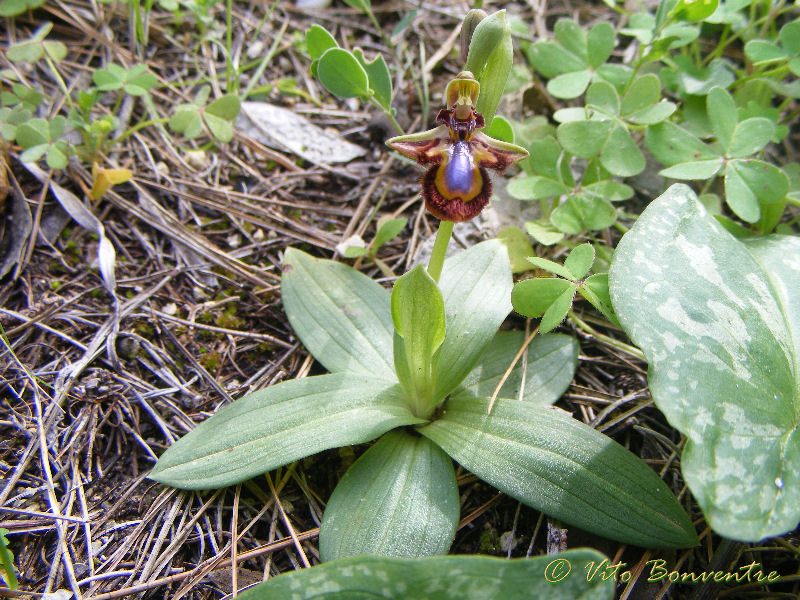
x=456, y=187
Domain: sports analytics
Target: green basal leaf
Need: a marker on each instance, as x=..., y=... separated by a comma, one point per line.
x=388, y=230
x=442, y=578
x=33, y=133
x=342, y=74
x=476, y=287
x=342, y=316
x=399, y=499
x=548, y=364
x=550, y=59
x=613, y=191
x=719, y=321
x=790, y=36
x=280, y=424
x=318, y=40
x=380, y=80
x=57, y=156
x=533, y=297
x=419, y=322
x=652, y=114
x=580, y=261
x=556, y=464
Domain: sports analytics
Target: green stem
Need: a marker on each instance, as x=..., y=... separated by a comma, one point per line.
x=632, y=350
x=440, y=249
x=140, y=125
x=389, y=115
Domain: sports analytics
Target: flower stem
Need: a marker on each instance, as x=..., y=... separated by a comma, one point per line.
x=440, y=249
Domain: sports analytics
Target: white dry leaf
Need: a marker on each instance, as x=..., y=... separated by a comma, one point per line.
x=106, y=255
x=354, y=241
x=57, y=595
x=280, y=128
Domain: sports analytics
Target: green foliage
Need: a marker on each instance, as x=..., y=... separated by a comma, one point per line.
x=348, y=74
x=443, y=578
x=551, y=298
x=13, y=8
x=38, y=138
x=440, y=334
x=718, y=320
x=216, y=117
x=7, y=570
x=719, y=120
x=37, y=47
x=136, y=81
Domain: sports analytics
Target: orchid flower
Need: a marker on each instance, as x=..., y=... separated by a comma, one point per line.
x=456, y=186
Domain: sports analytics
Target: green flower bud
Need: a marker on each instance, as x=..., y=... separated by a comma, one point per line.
x=487, y=37
x=474, y=16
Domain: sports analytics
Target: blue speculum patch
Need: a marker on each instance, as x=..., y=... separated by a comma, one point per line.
x=459, y=172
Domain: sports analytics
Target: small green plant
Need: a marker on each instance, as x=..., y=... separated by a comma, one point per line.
x=701, y=115
x=7, y=570
x=551, y=297
x=200, y=115
x=416, y=370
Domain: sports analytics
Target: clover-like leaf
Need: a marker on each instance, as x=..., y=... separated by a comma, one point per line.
x=342, y=74
x=399, y=499
x=13, y=8
x=36, y=47
x=719, y=322
x=441, y=577
x=573, y=58
x=552, y=462
x=581, y=212
x=280, y=424
x=380, y=80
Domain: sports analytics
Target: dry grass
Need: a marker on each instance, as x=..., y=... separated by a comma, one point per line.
x=95, y=387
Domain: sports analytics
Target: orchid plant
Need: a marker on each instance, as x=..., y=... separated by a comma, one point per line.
x=416, y=369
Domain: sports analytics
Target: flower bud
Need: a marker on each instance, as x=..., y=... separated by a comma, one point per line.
x=486, y=38
x=475, y=16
